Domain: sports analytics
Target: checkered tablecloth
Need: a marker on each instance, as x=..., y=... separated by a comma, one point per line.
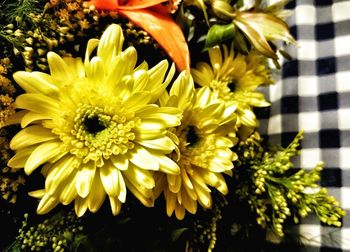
x=313, y=94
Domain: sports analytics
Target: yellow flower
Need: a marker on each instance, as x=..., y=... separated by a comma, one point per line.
x=236, y=78
x=203, y=152
x=95, y=127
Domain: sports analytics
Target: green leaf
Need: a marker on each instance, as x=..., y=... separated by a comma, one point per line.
x=240, y=3
x=185, y=20
x=177, y=233
x=13, y=247
x=124, y=220
x=219, y=33
x=240, y=43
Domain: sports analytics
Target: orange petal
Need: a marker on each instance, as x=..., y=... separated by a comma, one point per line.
x=161, y=26
x=141, y=4
x=104, y=4
x=130, y=5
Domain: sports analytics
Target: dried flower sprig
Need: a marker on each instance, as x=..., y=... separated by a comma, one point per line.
x=277, y=192
x=10, y=179
x=61, y=232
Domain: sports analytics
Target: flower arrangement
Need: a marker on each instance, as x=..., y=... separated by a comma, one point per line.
x=103, y=138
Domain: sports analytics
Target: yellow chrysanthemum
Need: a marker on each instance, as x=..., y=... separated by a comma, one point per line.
x=95, y=127
x=203, y=152
x=236, y=78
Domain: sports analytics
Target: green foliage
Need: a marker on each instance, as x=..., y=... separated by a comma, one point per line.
x=206, y=225
x=217, y=34
x=175, y=235
x=18, y=10
x=277, y=192
x=61, y=232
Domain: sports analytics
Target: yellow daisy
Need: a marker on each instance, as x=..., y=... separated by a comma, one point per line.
x=203, y=152
x=236, y=78
x=95, y=127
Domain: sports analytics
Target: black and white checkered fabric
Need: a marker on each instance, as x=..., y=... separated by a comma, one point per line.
x=313, y=94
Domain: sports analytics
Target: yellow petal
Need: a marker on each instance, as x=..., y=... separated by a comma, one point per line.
x=59, y=70
x=168, y=119
x=198, y=181
x=120, y=161
x=248, y=118
x=34, y=82
x=116, y=205
x=122, y=188
x=85, y=177
x=170, y=202
x=188, y=203
x=204, y=197
x=163, y=144
x=91, y=46
x=143, y=159
x=30, y=136
x=144, y=134
x=20, y=158
x=155, y=125
x=80, y=206
x=203, y=96
x=202, y=74
x=157, y=73
x=137, y=100
x=223, y=142
x=140, y=177
x=42, y=154
x=59, y=172
x=141, y=81
x=76, y=67
x=96, y=71
x=186, y=180
x=31, y=117
x=216, y=180
x=37, y=194
x=121, y=66
x=220, y=164
x=215, y=57
x=69, y=192
x=179, y=212
x=191, y=193
x=144, y=195
x=174, y=183
x=96, y=196
x=183, y=89
x=124, y=87
x=46, y=204
x=111, y=43
x=160, y=184
x=166, y=165
x=38, y=103
x=110, y=179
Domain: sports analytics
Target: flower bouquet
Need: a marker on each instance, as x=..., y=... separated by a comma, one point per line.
x=138, y=120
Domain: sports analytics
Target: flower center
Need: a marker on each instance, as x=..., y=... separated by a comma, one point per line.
x=232, y=86
x=195, y=148
x=97, y=133
x=192, y=136
x=94, y=125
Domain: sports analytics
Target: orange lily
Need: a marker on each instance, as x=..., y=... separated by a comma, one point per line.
x=153, y=17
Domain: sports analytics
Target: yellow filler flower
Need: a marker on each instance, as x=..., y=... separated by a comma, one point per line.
x=95, y=127
x=203, y=152
x=236, y=78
